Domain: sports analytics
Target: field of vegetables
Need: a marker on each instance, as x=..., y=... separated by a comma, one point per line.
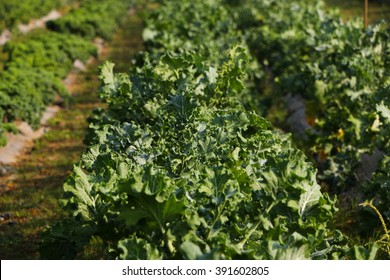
x=251, y=129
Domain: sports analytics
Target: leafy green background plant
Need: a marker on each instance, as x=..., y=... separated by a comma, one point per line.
x=33, y=74
x=92, y=19
x=12, y=13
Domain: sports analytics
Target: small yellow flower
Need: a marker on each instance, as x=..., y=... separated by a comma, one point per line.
x=340, y=134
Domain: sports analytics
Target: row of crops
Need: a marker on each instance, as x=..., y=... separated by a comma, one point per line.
x=341, y=72
x=16, y=12
x=34, y=68
x=180, y=164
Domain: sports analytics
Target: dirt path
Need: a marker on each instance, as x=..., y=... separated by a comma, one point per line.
x=29, y=194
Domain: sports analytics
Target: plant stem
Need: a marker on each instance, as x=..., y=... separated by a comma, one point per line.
x=249, y=234
x=369, y=204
